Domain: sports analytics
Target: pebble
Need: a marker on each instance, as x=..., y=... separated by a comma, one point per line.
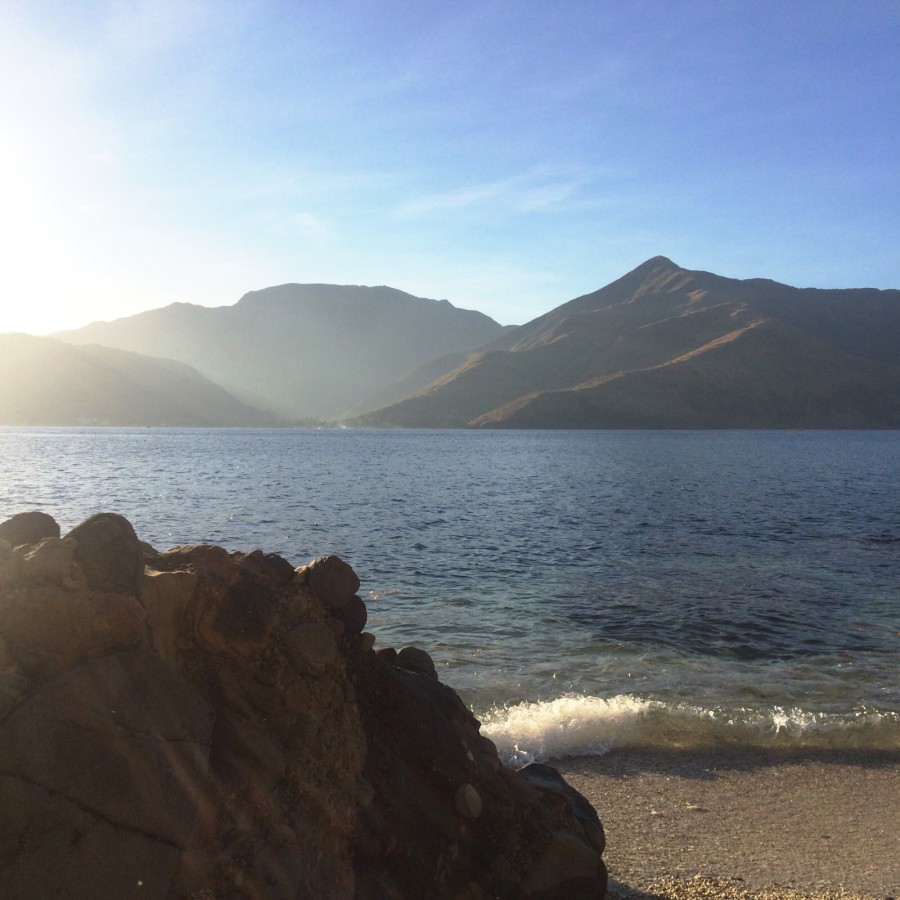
x=468, y=801
x=702, y=886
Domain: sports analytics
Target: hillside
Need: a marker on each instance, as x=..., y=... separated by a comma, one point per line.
x=303, y=350
x=665, y=347
x=47, y=382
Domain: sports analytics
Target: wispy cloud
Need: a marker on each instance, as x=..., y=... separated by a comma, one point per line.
x=531, y=192
x=301, y=182
x=147, y=27
x=509, y=290
x=293, y=225
x=307, y=225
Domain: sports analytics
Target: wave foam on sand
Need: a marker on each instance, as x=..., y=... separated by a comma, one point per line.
x=747, y=804
x=576, y=725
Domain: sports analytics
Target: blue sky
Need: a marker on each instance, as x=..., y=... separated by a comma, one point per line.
x=507, y=156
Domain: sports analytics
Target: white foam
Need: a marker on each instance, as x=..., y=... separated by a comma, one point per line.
x=567, y=726
x=575, y=725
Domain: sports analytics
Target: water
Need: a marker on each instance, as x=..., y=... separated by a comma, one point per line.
x=581, y=590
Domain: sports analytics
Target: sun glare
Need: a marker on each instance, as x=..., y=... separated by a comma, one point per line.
x=37, y=266
x=20, y=237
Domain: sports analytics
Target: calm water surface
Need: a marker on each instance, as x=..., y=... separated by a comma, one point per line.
x=580, y=589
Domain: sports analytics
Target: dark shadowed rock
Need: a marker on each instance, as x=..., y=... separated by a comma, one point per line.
x=220, y=729
x=244, y=752
x=353, y=614
x=270, y=564
x=447, y=820
x=567, y=869
x=311, y=647
x=28, y=528
x=50, y=559
x=48, y=629
x=109, y=553
x=549, y=779
x=149, y=723
x=416, y=660
x=468, y=801
x=37, y=825
x=332, y=580
x=242, y=616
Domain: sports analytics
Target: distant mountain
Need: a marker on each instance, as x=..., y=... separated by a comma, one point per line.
x=302, y=350
x=44, y=381
x=665, y=347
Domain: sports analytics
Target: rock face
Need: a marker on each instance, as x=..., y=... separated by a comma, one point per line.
x=206, y=725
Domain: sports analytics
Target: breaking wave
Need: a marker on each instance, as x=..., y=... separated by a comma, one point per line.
x=592, y=726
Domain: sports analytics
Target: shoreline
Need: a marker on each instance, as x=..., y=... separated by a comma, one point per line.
x=745, y=822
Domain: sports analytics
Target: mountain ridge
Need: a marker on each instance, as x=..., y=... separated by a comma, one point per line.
x=304, y=351
x=659, y=347
x=630, y=353
x=48, y=382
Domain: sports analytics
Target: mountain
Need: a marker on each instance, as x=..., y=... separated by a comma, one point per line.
x=666, y=347
x=44, y=381
x=302, y=350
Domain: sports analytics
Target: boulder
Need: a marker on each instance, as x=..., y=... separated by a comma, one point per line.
x=332, y=580
x=28, y=528
x=50, y=559
x=353, y=614
x=109, y=553
x=549, y=779
x=48, y=629
x=414, y=659
x=216, y=725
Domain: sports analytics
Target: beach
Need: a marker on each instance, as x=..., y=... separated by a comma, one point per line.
x=745, y=822
x=590, y=591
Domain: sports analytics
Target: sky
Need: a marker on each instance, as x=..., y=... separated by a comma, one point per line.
x=506, y=155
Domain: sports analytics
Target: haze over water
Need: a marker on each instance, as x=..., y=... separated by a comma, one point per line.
x=582, y=590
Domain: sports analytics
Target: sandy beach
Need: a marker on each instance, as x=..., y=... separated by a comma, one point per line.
x=746, y=823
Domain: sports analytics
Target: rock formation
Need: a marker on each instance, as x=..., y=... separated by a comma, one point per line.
x=212, y=725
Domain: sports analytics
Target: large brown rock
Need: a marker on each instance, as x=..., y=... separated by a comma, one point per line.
x=447, y=819
x=123, y=737
x=217, y=726
x=109, y=553
x=28, y=528
x=332, y=580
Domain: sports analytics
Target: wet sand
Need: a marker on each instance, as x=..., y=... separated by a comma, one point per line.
x=745, y=823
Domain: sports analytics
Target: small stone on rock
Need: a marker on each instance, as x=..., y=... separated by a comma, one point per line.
x=468, y=801
x=353, y=614
x=332, y=580
x=416, y=660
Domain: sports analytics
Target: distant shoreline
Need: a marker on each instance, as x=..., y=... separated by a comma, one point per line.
x=331, y=426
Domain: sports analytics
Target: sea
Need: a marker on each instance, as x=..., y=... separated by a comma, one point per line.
x=583, y=591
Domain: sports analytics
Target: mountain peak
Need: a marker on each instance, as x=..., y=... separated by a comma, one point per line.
x=657, y=261
x=665, y=347
x=655, y=266
x=308, y=351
